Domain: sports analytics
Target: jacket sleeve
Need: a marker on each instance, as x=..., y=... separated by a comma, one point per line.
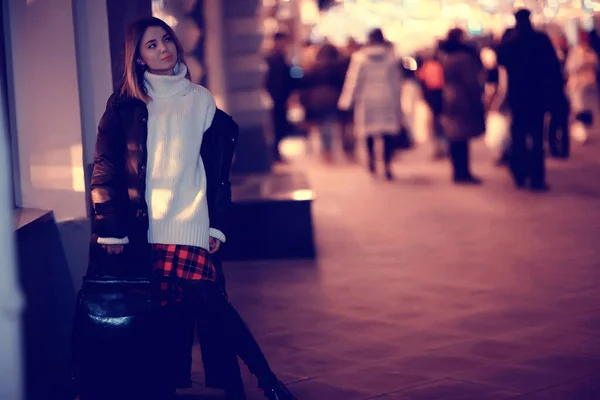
x=219, y=211
x=108, y=189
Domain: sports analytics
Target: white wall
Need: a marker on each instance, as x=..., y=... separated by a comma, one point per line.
x=46, y=93
x=10, y=292
x=93, y=65
x=59, y=78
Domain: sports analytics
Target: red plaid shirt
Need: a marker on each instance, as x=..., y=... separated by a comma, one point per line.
x=183, y=262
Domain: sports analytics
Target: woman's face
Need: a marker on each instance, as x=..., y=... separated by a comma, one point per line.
x=158, y=51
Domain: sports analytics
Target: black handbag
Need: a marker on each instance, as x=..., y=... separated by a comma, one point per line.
x=112, y=338
x=402, y=140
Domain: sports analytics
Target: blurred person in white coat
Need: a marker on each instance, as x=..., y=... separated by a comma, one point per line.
x=581, y=68
x=372, y=86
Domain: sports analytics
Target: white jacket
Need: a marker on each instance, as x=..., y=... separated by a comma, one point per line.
x=372, y=86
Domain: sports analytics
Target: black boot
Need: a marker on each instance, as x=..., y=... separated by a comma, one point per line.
x=235, y=394
x=372, y=165
x=388, y=172
x=278, y=391
x=371, y=153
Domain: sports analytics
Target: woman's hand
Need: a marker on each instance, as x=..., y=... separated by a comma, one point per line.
x=113, y=248
x=215, y=245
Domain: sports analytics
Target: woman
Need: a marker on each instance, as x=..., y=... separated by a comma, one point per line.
x=322, y=86
x=372, y=85
x=160, y=192
x=463, y=113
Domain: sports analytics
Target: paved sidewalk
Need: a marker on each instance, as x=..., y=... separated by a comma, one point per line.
x=424, y=290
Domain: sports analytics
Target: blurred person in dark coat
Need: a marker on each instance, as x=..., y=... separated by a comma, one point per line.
x=322, y=86
x=307, y=59
x=279, y=84
x=532, y=81
x=463, y=113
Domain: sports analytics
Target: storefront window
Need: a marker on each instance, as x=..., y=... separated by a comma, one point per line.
x=4, y=119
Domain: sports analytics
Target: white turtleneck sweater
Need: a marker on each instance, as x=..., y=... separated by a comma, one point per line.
x=179, y=113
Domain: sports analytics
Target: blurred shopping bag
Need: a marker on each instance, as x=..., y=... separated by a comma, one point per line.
x=296, y=113
x=497, y=133
x=410, y=96
x=402, y=140
x=423, y=123
x=579, y=132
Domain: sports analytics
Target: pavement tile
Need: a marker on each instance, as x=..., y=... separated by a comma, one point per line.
x=425, y=290
x=452, y=389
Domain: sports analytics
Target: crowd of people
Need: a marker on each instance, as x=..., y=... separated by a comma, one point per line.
x=535, y=85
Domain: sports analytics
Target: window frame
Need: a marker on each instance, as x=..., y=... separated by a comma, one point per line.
x=5, y=102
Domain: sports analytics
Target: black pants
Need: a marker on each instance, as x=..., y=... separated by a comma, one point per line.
x=388, y=149
x=459, y=154
x=435, y=102
x=558, y=134
x=347, y=130
x=246, y=348
x=243, y=343
x=205, y=306
x=280, y=126
x=527, y=159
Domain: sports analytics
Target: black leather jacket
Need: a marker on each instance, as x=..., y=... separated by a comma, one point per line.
x=118, y=183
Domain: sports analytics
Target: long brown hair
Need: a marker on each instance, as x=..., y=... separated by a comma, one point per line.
x=133, y=76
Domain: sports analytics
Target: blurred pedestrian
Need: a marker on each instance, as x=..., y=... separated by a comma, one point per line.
x=321, y=87
x=279, y=85
x=347, y=116
x=530, y=77
x=581, y=68
x=559, y=131
x=463, y=113
x=372, y=87
x=431, y=74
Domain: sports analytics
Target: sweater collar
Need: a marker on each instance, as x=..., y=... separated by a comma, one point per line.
x=163, y=86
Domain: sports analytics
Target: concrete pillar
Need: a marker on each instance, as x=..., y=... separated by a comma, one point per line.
x=243, y=70
x=120, y=15
x=213, y=50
